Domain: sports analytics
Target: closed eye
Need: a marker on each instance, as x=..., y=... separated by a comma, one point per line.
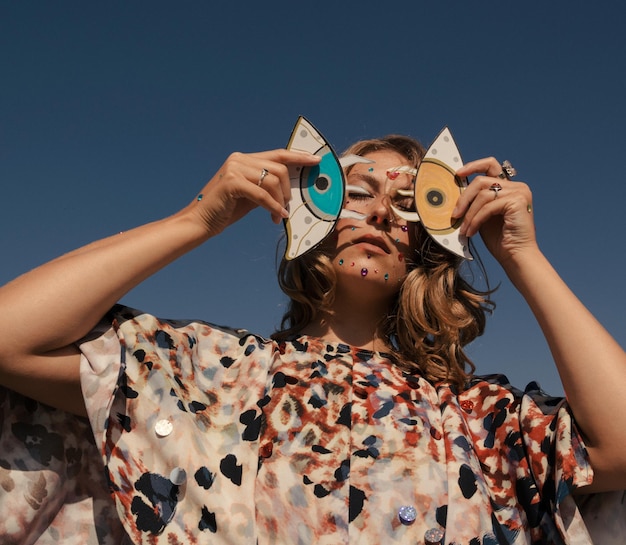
x=356, y=193
x=405, y=203
x=404, y=199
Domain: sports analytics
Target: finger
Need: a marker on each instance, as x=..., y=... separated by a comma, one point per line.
x=288, y=157
x=277, y=161
x=488, y=166
x=279, y=174
x=475, y=188
x=513, y=200
x=486, y=204
x=264, y=186
x=488, y=171
x=274, y=178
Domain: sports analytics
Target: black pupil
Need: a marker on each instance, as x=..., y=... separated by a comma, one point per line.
x=321, y=183
x=434, y=197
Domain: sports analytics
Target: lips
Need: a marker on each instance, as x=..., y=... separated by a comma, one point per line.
x=379, y=242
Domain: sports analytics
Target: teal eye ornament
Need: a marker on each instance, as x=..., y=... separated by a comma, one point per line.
x=317, y=193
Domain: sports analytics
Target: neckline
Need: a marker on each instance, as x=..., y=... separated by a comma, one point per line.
x=339, y=347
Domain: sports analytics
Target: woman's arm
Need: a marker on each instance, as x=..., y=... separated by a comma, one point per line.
x=44, y=312
x=591, y=364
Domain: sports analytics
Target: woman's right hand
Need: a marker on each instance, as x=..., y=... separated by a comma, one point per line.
x=245, y=181
x=64, y=299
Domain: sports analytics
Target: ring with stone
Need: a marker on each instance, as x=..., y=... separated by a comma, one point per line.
x=508, y=171
x=264, y=173
x=496, y=188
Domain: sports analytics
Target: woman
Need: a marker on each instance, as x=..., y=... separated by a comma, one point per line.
x=360, y=423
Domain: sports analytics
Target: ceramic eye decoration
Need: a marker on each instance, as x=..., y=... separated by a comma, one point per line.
x=437, y=190
x=317, y=193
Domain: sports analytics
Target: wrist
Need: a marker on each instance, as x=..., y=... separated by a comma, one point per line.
x=525, y=265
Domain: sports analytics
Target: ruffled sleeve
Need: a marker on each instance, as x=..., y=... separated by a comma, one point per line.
x=171, y=404
x=566, y=468
x=532, y=459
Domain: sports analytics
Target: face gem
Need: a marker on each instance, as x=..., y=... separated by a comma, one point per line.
x=364, y=272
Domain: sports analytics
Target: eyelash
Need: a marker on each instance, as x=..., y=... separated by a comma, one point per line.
x=359, y=196
x=358, y=193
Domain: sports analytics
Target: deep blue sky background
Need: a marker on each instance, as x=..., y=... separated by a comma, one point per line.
x=113, y=114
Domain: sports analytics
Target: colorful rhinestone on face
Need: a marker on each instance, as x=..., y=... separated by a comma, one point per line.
x=199, y=197
x=341, y=262
x=404, y=228
x=363, y=271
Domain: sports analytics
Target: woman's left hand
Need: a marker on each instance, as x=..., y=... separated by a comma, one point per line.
x=503, y=216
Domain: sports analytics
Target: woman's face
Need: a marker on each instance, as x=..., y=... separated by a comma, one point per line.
x=371, y=253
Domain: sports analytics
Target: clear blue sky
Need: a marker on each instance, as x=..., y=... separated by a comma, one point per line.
x=113, y=114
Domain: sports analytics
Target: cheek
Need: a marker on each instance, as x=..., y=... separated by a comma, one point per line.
x=402, y=240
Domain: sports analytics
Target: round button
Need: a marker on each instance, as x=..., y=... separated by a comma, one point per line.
x=163, y=427
x=434, y=536
x=178, y=476
x=407, y=514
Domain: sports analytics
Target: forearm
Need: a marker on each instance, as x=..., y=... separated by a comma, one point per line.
x=590, y=362
x=62, y=300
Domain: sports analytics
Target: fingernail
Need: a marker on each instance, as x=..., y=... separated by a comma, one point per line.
x=284, y=213
x=455, y=212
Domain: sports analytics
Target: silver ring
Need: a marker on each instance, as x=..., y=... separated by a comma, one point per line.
x=508, y=170
x=264, y=173
x=496, y=188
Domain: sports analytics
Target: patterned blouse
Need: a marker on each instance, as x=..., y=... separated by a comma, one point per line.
x=214, y=435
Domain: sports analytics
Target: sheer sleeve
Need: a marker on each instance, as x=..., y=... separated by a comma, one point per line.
x=52, y=486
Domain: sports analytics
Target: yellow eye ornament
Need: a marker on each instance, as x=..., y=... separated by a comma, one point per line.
x=436, y=192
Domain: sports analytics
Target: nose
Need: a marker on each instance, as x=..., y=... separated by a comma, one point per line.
x=380, y=213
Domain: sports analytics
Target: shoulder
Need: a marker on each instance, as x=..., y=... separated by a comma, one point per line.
x=138, y=328
x=489, y=388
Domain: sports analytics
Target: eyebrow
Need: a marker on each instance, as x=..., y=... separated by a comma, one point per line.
x=367, y=178
x=373, y=182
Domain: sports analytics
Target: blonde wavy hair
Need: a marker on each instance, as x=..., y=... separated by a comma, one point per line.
x=436, y=313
